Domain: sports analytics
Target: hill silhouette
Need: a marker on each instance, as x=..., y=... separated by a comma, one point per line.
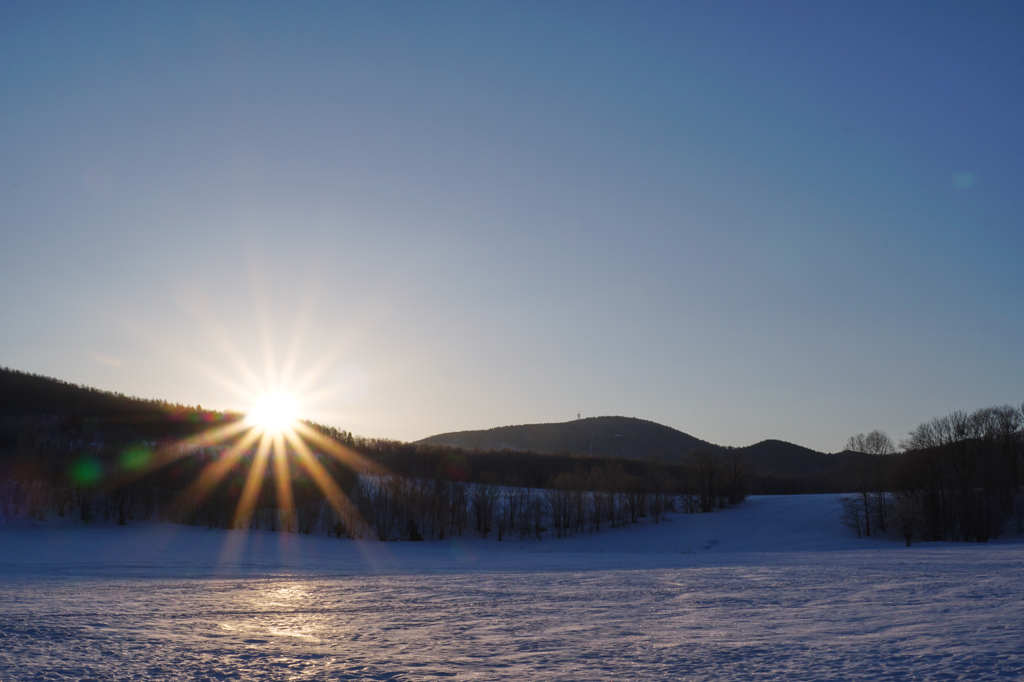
x=35, y=408
x=641, y=439
x=620, y=437
x=72, y=450
x=32, y=401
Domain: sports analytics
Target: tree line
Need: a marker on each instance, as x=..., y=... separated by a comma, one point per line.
x=594, y=495
x=958, y=478
x=73, y=452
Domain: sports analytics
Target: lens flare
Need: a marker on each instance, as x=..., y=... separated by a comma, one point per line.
x=253, y=460
x=274, y=413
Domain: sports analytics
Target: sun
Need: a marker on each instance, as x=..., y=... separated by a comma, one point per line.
x=274, y=413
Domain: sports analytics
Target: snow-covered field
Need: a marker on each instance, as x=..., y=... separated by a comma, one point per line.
x=772, y=589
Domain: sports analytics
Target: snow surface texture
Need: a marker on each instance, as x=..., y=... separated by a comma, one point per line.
x=775, y=588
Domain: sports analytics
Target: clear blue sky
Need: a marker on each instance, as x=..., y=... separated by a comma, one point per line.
x=744, y=220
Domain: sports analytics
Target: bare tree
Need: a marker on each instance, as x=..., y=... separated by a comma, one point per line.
x=871, y=484
x=483, y=500
x=707, y=479
x=852, y=516
x=874, y=443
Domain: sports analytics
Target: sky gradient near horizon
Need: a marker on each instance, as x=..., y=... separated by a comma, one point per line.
x=742, y=220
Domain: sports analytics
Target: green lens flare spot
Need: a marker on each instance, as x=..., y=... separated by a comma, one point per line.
x=86, y=471
x=135, y=457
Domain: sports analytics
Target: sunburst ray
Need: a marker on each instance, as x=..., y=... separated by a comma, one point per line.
x=282, y=479
x=172, y=452
x=343, y=454
x=338, y=500
x=253, y=484
x=214, y=472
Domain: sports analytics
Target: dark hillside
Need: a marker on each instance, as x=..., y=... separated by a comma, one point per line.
x=779, y=458
x=32, y=402
x=47, y=424
x=618, y=437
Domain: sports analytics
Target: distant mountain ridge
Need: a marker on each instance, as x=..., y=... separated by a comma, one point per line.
x=633, y=438
x=624, y=437
x=32, y=404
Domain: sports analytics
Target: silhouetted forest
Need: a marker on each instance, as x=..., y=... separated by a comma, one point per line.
x=958, y=478
x=77, y=452
x=777, y=465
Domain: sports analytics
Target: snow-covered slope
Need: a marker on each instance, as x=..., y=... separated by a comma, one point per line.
x=764, y=528
x=774, y=589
